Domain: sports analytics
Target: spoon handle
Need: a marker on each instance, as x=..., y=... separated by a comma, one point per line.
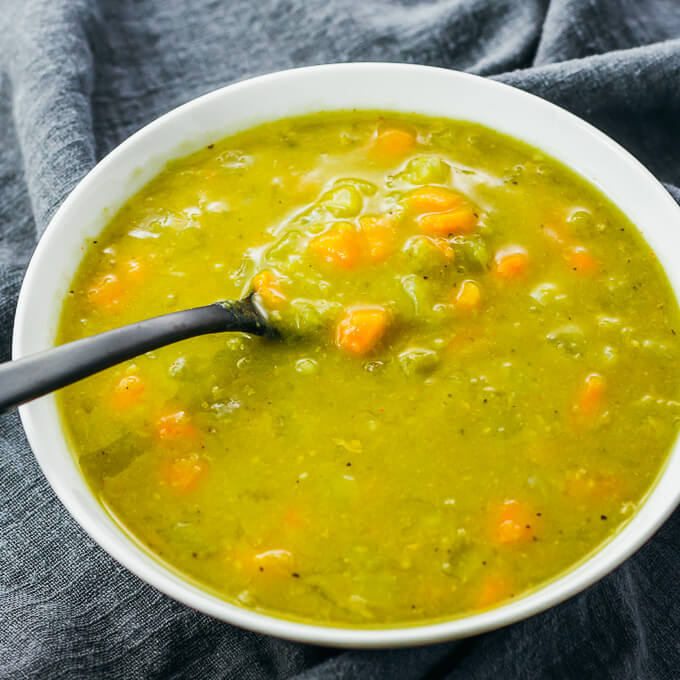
x=37, y=374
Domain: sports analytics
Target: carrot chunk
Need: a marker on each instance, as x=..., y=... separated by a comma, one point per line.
x=590, y=399
x=468, y=296
x=106, y=293
x=340, y=246
x=515, y=524
x=511, y=262
x=494, y=588
x=268, y=286
x=394, y=142
x=361, y=329
x=434, y=199
x=580, y=260
x=462, y=220
x=183, y=474
x=128, y=391
x=176, y=426
x=379, y=235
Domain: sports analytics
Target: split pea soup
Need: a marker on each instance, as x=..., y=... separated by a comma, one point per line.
x=476, y=384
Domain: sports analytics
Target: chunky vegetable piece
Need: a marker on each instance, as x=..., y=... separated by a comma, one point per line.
x=128, y=391
x=452, y=222
x=339, y=246
x=268, y=286
x=434, y=199
x=468, y=296
x=361, y=329
x=476, y=384
x=394, y=142
x=511, y=262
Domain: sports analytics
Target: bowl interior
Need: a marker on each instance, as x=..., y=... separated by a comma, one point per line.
x=402, y=88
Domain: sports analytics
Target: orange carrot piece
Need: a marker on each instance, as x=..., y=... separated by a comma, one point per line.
x=339, y=246
x=468, y=296
x=361, y=329
x=379, y=235
x=394, y=142
x=434, y=199
x=128, y=392
x=176, y=426
x=106, y=293
x=580, y=260
x=590, y=399
x=511, y=262
x=183, y=474
x=494, y=588
x=515, y=524
x=462, y=220
x=268, y=286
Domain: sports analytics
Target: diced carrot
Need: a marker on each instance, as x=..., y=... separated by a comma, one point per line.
x=434, y=199
x=379, y=234
x=462, y=220
x=183, y=474
x=394, y=142
x=590, y=399
x=340, y=246
x=494, y=588
x=361, y=329
x=585, y=485
x=128, y=392
x=176, y=426
x=468, y=296
x=511, y=262
x=580, y=260
x=106, y=293
x=515, y=524
x=268, y=286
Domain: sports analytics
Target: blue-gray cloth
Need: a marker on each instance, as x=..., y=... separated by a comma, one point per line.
x=76, y=78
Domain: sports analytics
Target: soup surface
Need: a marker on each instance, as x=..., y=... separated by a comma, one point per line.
x=478, y=380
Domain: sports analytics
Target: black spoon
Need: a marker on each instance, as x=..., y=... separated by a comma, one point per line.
x=37, y=374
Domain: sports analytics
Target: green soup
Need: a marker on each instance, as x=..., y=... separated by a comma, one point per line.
x=477, y=382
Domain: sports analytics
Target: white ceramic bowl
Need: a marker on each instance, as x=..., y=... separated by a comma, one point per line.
x=405, y=88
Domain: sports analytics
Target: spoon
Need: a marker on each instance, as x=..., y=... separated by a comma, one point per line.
x=43, y=372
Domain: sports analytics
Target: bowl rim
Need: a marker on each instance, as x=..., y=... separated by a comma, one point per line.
x=592, y=568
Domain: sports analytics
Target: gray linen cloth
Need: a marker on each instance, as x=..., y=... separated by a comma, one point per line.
x=76, y=78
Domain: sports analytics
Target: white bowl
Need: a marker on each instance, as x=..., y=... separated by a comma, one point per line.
x=389, y=87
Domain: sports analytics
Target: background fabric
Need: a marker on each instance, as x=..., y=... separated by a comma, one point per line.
x=76, y=78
